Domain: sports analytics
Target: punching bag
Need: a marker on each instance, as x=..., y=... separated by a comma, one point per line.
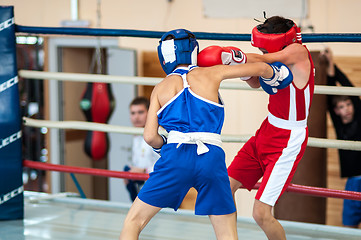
x=11, y=184
x=97, y=104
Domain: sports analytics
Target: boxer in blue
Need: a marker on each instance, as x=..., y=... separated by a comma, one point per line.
x=188, y=106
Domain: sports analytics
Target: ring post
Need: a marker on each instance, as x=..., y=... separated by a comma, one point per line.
x=11, y=184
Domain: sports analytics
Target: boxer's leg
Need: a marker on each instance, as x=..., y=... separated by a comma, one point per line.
x=225, y=226
x=262, y=214
x=137, y=218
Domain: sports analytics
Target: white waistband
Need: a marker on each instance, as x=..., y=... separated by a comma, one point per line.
x=286, y=124
x=199, y=138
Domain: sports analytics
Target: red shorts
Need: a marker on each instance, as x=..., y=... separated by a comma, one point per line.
x=273, y=153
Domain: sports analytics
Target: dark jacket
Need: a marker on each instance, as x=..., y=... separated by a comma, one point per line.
x=350, y=161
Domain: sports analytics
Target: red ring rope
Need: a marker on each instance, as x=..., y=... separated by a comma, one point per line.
x=84, y=170
x=307, y=190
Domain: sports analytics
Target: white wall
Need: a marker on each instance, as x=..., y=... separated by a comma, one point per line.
x=162, y=15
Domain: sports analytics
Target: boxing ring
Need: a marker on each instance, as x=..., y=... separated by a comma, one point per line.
x=67, y=216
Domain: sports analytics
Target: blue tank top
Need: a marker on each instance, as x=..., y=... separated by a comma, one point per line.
x=189, y=112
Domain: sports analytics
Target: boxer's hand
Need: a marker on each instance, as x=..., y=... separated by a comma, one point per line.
x=157, y=150
x=267, y=88
x=282, y=77
x=216, y=55
x=233, y=56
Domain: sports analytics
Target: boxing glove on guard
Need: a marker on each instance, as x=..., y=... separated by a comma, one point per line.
x=282, y=77
x=157, y=150
x=267, y=88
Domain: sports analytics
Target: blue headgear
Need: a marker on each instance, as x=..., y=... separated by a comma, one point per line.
x=181, y=49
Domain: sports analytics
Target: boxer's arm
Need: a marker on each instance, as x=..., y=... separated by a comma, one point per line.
x=253, y=82
x=243, y=70
x=290, y=55
x=272, y=76
x=150, y=134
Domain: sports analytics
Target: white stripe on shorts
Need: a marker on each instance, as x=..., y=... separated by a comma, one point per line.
x=283, y=167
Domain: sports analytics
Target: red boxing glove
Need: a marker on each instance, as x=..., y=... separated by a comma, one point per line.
x=210, y=56
x=233, y=56
x=215, y=55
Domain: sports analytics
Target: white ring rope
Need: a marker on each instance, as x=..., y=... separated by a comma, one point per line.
x=81, y=125
x=91, y=126
x=151, y=81
x=84, y=77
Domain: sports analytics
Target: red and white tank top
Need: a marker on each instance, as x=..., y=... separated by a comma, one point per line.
x=292, y=103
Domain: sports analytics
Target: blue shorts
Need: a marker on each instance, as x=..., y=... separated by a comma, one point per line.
x=181, y=168
x=351, y=215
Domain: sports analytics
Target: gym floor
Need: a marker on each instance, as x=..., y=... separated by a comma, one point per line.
x=70, y=218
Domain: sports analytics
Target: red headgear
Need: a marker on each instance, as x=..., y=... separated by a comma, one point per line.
x=273, y=42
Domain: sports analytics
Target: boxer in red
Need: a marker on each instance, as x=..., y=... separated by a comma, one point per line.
x=279, y=144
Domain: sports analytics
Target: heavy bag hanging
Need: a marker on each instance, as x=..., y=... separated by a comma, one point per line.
x=97, y=104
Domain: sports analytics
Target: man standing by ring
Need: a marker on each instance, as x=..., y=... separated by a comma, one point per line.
x=345, y=112
x=143, y=156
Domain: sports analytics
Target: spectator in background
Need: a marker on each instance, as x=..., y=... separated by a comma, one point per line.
x=143, y=156
x=345, y=113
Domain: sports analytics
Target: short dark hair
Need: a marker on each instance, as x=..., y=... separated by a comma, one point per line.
x=339, y=98
x=140, y=101
x=276, y=24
